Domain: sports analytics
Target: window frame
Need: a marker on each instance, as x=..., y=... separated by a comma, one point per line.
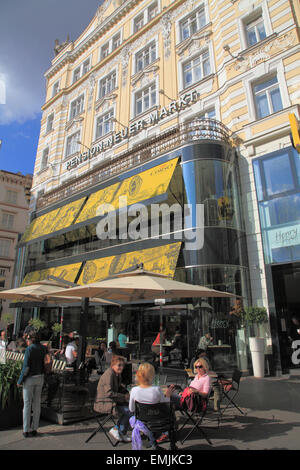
x=267, y=91
x=55, y=88
x=80, y=69
x=198, y=14
x=9, y=243
x=142, y=97
x=111, y=114
x=10, y=200
x=144, y=16
x=152, y=44
x=201, y=65
x=70, y=136
x=262, y=12
x=82, y=98
x=105, y=79
x=9, y=224
x=50, y=120
x=44, y=159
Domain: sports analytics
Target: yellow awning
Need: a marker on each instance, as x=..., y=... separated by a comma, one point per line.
x=53, y=221
x=67, y=272
x=137, y=188
x=162, y=259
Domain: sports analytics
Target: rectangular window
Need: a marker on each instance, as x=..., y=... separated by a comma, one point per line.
x=192, y=24
x=255, y=31
x=267, y=97
x=85, y=66
x=152, y=11
x=11, y=196
x=44, y=161
x=76, y=106
x=50, y=121
x=278, y=174
x=104, y=51
x=145, y=57
x=107, y=84
x=138, y=22
x=104, y=124
x=116, y=41
x=76, y=74
x=145, y=99
x=55, y=89
x=72, y=144
x=5, y=247
x=196, y=69
x=7, y=220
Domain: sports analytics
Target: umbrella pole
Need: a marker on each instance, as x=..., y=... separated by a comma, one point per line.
x=82, y=335
x=160, y=338
x=61, y=326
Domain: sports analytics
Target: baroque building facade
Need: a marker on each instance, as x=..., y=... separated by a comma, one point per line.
x=177, y=102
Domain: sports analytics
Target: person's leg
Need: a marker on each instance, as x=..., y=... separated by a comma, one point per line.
x=123, y=421
x=175, y=399
x=27, y=398
x=36, y=402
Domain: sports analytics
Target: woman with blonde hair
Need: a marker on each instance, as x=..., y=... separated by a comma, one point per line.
x=200, y=385
x=145, y=392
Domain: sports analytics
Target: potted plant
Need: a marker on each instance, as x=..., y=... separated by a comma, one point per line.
x=10, y=394
x=254, y=317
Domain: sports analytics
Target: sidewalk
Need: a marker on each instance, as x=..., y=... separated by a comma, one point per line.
x=272, y=421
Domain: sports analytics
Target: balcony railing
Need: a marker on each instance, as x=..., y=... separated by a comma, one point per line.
x=195, y=130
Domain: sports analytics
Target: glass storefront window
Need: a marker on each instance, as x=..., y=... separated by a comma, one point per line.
x=213, y=183
x=278, y=174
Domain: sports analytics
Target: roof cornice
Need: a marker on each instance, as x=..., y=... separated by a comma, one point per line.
x=69, y=56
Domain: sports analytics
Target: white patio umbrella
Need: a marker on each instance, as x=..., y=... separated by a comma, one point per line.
x=143, y=285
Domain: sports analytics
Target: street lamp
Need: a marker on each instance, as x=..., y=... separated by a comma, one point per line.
x=163, y=93
x=80, y=143
x=113, y=119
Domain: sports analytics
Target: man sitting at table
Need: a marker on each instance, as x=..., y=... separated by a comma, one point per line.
x=112, y=397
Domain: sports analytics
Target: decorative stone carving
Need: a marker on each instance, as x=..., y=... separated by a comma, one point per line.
x=166, y=23
x=194, y=43
x=91, y=88
x=125, y=54
x=106, y=100
x=101, y=11
x=140, y=76
x=74, y=123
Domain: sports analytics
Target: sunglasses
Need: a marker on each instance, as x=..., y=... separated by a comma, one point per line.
x=198, y=367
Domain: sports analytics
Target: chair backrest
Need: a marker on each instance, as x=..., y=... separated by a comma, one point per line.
x=236, y=376
x=157, y=416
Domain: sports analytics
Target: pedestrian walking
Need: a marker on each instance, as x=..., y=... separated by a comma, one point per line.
x=32, y=379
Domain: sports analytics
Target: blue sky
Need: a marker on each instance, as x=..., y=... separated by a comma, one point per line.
x=28, y=30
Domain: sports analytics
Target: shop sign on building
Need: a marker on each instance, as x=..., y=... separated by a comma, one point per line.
x=134, y=128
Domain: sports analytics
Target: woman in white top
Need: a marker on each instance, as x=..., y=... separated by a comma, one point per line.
x=145, y=392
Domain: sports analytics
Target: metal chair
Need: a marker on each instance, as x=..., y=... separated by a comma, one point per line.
x=230, y=389
x=102, y=419
x=159, y=418
x=196, y=416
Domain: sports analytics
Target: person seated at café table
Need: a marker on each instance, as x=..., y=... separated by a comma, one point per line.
x=201, y=384
x=100, y=356
x=155, y=348
x=60, y=354
x=112, y=397
x=122, y=339
x=145, y=392
x=71, y=352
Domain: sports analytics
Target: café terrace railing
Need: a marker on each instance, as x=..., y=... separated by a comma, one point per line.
x=176, y=137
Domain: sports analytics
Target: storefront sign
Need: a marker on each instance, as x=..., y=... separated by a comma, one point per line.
x=286, y=236
x=134, y=128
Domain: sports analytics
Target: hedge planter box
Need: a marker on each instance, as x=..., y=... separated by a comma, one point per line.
x=11, y=416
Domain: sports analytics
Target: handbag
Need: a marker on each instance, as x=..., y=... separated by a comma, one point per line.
x=191, y=401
